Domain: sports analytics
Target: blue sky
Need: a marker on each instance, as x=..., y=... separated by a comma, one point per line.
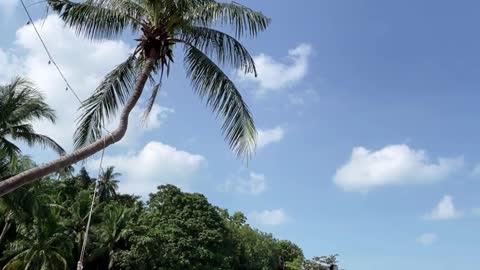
x=368, y=117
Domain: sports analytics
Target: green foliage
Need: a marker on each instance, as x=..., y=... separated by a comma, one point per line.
x=45, y=226
x=21, y=104
x=161, y=25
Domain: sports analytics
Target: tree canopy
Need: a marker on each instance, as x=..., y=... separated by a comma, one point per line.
x=43, y=226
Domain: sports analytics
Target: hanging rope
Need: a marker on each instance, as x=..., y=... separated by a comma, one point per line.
x=69, y=87
x=49, y=55
x=87, y=229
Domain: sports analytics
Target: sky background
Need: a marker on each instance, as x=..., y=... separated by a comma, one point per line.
x=367, y=115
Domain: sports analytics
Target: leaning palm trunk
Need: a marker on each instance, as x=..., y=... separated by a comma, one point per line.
x=31, y=175
x=161, y=25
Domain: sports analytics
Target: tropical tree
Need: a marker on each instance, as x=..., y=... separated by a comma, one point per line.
x=20, y=205
x=113, y=229
x=160, y=26
x=43, y=245
x=75, y=213
x=21, y=104
x=108, y=184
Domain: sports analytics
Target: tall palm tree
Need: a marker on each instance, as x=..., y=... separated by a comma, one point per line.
x=108, y=184
x=160, y=25
x=21, y=104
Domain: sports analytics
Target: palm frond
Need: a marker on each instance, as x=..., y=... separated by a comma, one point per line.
x=243, y=20
x=20, y=101
x=104, y=103
x=217, y=44
x=221, y=94
x=150, y=102
x=9, y=149
x=99, y=19
x=38, y=139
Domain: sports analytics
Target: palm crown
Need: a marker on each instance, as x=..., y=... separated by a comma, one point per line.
x=108, y=183
x=20, y=104
x=160, y=25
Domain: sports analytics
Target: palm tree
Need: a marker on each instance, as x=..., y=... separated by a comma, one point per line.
x=44, y=245
x=160, y=26
x=114, y=228
x=21, y=104
x=76, y=216
x=108, y=184
x=20, y=205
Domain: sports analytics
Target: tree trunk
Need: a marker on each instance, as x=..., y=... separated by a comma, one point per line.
x=4, y=231
x=33, y=174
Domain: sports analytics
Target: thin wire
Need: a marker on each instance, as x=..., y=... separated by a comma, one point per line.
x=100, y=169
x=30, y=20
x=48, y=51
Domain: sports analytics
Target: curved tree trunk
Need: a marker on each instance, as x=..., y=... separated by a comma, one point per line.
x=33, y=174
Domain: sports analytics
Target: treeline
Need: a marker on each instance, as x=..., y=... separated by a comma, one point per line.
x=43, y=226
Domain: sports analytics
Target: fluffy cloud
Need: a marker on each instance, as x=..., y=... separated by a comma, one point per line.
x=392, y=165
x=444, y=210
x=273, y=217
x=83, y=62
x=275, y=75
x=268, y=136
x=427, y=239
x=155, y=164
x=138, y=127
x=253, y=184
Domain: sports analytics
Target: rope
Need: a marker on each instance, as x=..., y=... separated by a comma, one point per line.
x=30, y=20
x=49, y=55
x=100, y=169
x=87, y=229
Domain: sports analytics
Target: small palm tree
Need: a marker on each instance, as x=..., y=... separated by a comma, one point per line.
x=160, y=25
x=43, y=245
x=108, y=184
x=21, y=104
x=76, y=213
x=21, y=205
x=114, y=228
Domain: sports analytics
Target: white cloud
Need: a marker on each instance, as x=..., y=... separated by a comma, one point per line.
x=8, y=6
x=275, y=75
x=273, y=217
x=268, y=136
x=253, y=184
x=137, y=127
x=444, y=210
x=155, y=164
x=392, y=165
x=427, y=239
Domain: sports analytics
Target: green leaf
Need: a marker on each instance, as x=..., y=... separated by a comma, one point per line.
x=104, y=103
x=221, y=94
x=217, y=44
x=243, y=20
x=99, y=19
